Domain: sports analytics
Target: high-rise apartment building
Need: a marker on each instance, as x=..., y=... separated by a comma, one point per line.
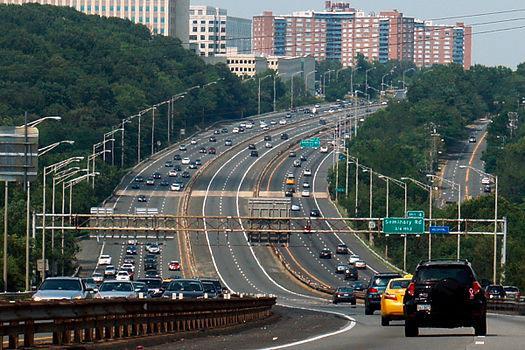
x=340, y=32
x=165, y=17
x=212, y=31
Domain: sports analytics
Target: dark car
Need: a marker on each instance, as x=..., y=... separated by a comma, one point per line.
x=288, y=193
x=224, y=130
x=292, y=154
x=203, y=150
x=168, y=164
x=213, y=139
x=344, y=295
x=284, y=136
x=177, y=157
x=142, y=199
x=131, y=250
x=218, y=286
x=315, y=213
x=228, y=142
x=251, y=146
x=494, y=291
x=164, y=183
x=322, y=122
x=351, y=273
x=216, y=132
x=150, y=264
x=303, y=158
x=192, y=165
x=210, y=290
x=151, y=274
x=139, y=179
x=376, y=287
x=157, y=175
x=135, y=186
x=325, y=254
x=359, y=286
x=189, y=288
x=177, y=167
x=212, y=150
x=487, y=189
x=341, y=249
x=445, y=294
x=186, y=175
x=198, y=162
x=267, y=138
x=254, y=154
x=154, y=285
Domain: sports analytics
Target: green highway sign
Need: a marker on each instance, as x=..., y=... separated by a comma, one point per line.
x=403, y=225
x=416, y=214
x=314, y=142
x=340, y=189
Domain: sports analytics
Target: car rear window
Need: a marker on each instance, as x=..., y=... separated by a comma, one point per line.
x=399, y=284
x=498, y=289
x=345, y=290
x=511, y=289
x=382, y=281
x=438, y=273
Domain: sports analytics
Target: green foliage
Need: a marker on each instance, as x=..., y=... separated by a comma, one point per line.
x=398, y=142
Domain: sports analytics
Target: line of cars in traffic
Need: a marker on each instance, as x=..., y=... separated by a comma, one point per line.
x=441, y=293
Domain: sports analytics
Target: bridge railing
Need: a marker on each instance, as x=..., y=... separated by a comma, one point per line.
x=98, y=320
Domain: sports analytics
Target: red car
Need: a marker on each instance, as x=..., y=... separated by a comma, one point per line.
x=212, y=150
x=174, y=266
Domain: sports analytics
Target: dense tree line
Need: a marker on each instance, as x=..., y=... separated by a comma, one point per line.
x=407, y=138
x=93, y=72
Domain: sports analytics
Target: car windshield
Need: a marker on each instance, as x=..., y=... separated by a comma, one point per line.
x=116, y=287
x=191, y=286
x=511, y=289
x=345, y=290
x=400, y=284
x=152, y=283
x=57, y=284
x=497, y=289
x=438, y=273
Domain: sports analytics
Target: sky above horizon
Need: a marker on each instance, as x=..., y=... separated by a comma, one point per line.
x=491, y=46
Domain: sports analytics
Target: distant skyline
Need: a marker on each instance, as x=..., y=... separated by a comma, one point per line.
x=499, y=48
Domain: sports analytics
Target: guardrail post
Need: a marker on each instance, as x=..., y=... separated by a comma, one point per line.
x=13, y=338
x=99, y=330
x=88, y=335
x=29, y=334
x=76, y=336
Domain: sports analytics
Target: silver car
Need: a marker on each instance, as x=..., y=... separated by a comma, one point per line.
x=57, y=288
x=116, y=289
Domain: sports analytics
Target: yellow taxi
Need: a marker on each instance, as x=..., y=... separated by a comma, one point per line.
x=392, y=300
x=290, y=181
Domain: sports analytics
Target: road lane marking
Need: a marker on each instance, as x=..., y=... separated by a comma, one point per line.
x=471, y=160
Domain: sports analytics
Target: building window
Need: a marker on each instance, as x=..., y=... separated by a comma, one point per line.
x=147, y=8
x=132, y=8
x=162, y=20
x=147, y=19
x=194, y=29
x=140, y=8
x=155, y=20
x=118, y=8
x=162, y=30
x=126, y=8
x=155, y=8
x=162, y=9
x=96, y=8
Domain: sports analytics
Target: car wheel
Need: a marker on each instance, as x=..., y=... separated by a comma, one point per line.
x=385, y=321
x=411, y=329
x=368, y=310
x=480, y=326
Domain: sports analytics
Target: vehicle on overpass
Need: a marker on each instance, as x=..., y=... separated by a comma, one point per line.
x=445, y=294
x=189, y=288
x=376, y=287
x=57, y=288
x=116, y=289
x=392, y=300
x=344, y=295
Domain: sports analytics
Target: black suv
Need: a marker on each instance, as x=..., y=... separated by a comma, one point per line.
x=376, y=287
x=445, y=294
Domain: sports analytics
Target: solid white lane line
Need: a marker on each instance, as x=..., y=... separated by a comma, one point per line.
x=351, y=324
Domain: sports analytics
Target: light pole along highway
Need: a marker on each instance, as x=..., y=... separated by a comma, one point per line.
x=495, y=179
x=429, y=189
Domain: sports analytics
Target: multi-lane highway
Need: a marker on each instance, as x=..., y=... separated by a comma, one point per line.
x=223, y=188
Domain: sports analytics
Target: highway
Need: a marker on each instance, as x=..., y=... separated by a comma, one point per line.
x=224, y=188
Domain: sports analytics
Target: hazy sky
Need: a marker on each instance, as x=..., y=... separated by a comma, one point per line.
x=498, y=48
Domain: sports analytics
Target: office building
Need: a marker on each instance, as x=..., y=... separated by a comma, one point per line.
x=212, y=31
x=164, y=17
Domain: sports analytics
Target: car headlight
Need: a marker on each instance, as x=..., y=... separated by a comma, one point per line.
x=78, y=297
x=36, y=298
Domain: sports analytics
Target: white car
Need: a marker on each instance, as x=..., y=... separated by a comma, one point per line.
x=360, y=264
x=153, y=249
x=290, y=176
x=185, y=161
x=307, y=172
x=176, y=187
x=242, y=125
x=282, y=122
x=128, y=266
x=268, y=145
x=353, y=258
x=193, y=142
x=324, y=149
x=104, y=260
x=132, y=242
x=110, y=271
x=305, y=193
x=235, y=130
x=172, y=173
x=249, y=125
x=306, y=185
x=485, y=181
x=295, y=207
x=122, y=276
x=182, y=148
x=97, y=277
x=263, y=125
x=273, y=122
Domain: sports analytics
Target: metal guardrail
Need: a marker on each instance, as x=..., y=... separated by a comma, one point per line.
x=14, y=296
x=506, y=306
x=100, y=321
